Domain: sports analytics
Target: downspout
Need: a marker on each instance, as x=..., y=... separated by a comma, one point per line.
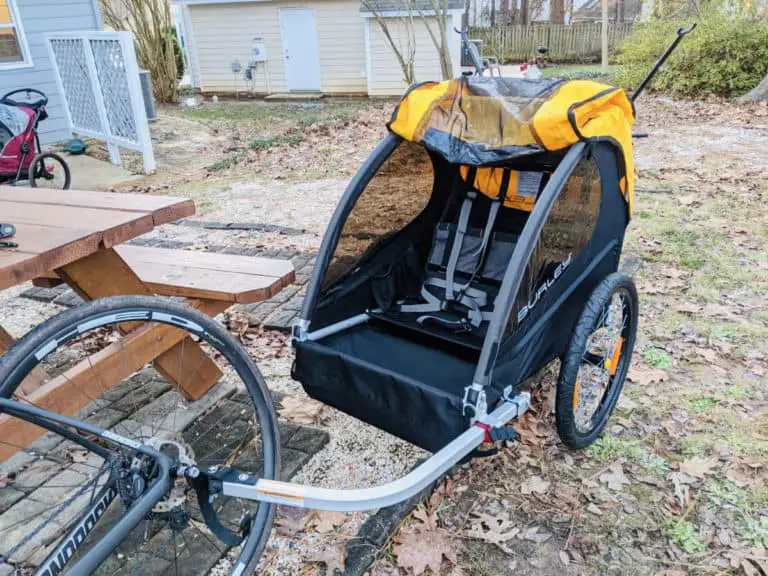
x=98, y=19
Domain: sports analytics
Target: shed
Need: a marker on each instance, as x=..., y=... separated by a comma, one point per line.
x=24, y=60
x=310, y=46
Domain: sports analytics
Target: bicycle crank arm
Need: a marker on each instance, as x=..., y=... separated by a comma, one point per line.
x=301, y=496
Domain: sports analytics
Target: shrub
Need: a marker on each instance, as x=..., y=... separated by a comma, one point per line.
x=725, y=55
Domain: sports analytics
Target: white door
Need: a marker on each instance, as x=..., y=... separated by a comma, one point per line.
x=300, y=53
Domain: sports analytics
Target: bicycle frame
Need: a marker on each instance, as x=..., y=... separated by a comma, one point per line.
x=66, y=549
x=246, y=486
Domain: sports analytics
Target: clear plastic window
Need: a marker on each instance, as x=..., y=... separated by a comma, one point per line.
x=567, y=231
x=395, y=196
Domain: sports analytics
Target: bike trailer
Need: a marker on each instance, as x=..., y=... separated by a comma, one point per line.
x=462, y=254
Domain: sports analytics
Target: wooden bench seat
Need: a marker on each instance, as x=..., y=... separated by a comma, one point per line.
x=202, y=275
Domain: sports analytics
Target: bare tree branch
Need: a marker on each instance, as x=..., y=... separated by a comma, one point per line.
x=405, y=55
x=150, y=23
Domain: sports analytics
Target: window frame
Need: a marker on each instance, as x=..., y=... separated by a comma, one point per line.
x=21, y=37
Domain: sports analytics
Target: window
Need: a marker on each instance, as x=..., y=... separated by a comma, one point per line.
x=395, y=196
x=566, y=233
x=14, y=52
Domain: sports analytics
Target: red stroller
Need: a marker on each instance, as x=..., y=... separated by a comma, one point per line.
x=20, y=154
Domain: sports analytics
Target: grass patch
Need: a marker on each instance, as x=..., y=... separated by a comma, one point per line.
x=611, y=448
x=583, y=72
x=684, y=534
x=701, y=404
x=223, y=164
x=272, y=141
x=264, y=143
x=657, y=358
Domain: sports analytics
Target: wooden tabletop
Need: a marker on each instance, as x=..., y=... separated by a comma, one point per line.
x=57, y=227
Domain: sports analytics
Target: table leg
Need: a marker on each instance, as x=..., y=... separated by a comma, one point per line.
x=105, y=274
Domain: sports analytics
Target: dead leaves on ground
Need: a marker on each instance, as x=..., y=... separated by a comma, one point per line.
x=418, y=550
x=698, y=467
x=615, y=478
x=492, y=529
x=290, y=522
x=300, y=410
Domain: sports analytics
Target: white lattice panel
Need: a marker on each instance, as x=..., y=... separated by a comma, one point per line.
x=110, y=66
x=98, y=78
x=78, y=91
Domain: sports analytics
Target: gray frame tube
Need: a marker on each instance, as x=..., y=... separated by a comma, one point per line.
x=513, y=277
x=431, y=470
x=355, y=187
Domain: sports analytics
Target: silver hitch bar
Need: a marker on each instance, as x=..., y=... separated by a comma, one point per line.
x=350, y=500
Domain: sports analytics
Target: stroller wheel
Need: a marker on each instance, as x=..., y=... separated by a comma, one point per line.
x=597, y=361
x=49, y=170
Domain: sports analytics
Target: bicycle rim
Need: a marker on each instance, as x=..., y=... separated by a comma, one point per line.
x=133, y=378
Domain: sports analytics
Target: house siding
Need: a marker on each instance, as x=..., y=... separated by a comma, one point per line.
x=386, y=73
x=223, y=32
x=41, y=17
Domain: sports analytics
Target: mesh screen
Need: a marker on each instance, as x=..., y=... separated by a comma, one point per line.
x=565, y=234
x=394, y=197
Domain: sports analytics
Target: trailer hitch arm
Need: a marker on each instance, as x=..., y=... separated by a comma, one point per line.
x=681, y=33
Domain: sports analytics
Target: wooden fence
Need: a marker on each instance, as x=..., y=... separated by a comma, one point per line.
x=578, y=43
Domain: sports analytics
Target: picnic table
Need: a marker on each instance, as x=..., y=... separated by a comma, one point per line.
x=74, y=237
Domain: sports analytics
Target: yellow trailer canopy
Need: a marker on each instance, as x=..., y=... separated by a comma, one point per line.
x=485, y=122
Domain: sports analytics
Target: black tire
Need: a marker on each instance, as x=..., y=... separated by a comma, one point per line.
x=41, y=177
x=577, y=359
x=92, y=322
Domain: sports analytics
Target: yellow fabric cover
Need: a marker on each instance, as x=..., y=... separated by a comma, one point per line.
x=475, y=116
x=488, y=181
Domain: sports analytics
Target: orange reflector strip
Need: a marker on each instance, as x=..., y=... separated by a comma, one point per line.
x=576, y=393
x=612, y=363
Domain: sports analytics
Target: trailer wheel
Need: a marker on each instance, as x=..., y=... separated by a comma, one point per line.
x=596, y=362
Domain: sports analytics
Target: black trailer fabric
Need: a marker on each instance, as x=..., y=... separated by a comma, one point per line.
x=411, y=382
x=389, y=379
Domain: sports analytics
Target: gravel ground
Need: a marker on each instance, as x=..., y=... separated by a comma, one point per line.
x=357, y=455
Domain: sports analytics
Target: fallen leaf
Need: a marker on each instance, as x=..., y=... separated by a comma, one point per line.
x=535, y=535
x=419, y=550
x=493, y=530
x=565, y=559
x=324, y=521
x=615, y=479
x=4, y=480
x=333, y=555
x=290, y=520
x=534, y=484
x=300, y=410
x=680, y=494
x=646, y=376
x=697, y=466
x=592, y=509
x=429, y=519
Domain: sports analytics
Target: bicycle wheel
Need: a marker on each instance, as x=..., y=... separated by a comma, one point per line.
x=49, y=170
x=128, y=365
x=597, y=361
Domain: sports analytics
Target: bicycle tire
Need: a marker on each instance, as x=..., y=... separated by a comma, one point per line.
x=42, y=343
x=38, y=166
x=576, y=370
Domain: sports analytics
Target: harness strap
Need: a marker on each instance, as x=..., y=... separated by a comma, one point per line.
x=458, y=241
